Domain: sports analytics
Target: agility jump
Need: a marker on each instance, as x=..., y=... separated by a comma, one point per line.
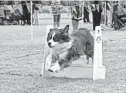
x=78, y=69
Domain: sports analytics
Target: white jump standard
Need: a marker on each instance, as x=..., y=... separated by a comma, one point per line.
x=79, y=68
x=99, y=71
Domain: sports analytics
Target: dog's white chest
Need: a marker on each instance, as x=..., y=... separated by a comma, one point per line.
x=63, y=55
x=62, y=49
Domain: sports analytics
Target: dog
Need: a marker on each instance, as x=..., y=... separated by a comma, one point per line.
x=65, y=47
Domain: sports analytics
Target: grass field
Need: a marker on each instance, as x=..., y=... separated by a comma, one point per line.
x=21, y=58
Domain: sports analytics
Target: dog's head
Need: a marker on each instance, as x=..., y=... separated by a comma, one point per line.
x=58, y=36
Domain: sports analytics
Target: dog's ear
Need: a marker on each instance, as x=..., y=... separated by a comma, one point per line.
x=66, y=29
x=51, y=29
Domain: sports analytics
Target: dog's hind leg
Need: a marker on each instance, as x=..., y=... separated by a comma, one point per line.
x=87, y=57
x=64, y=63
x=92, y=60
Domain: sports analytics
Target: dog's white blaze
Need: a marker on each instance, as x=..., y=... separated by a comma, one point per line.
x=52, y=41
x=55, y=67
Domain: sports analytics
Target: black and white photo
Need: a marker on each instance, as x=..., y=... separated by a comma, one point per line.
x=62, y=46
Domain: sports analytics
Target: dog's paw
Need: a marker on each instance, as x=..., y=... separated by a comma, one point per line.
x=50, y=70
x=48, y=63
x=55, y=68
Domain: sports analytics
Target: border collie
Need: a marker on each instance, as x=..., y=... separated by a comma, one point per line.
x=65, y=47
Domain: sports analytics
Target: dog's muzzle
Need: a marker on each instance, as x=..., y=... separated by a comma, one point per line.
x=49, y=44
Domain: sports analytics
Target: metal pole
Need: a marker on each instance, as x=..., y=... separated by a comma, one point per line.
x=31, y=22
x=105, y=14
x=31, y=14
x=82, y=13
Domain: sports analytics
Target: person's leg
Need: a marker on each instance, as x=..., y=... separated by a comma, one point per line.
x=115, y=21
x=37, y=23
x=75, y=25
x=99, y=18
x=94, y=20
x=91, y=17
x=27, y=18
x=54, y=20
x=112, y=19
x=85, y=15
x=35, y=17
x=109, y=18
x=24, y=19
x=88, y=17
x=84, y=19
x=30, y=18
x=58, y=20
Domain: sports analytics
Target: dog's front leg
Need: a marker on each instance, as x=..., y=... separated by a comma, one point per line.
x=55, y=68
x=48, y=62
x=60, y=65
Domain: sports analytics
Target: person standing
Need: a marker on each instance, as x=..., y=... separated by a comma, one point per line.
x=119, y=13
x=109, y=14
x=96, y=11
x=76, y=12
x=56, y=10
x=29, y=13
x=25, y=12
x=35, y=14
x=2, y=14
x=86, y=13
x=115, y=15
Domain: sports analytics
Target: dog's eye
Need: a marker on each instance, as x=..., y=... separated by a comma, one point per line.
x=55, y=38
